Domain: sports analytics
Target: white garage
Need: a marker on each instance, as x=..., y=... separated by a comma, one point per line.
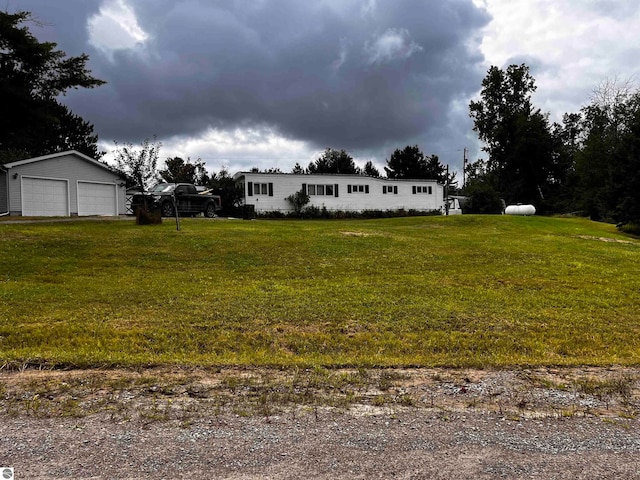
x=45, y=197
x=97, y=199
x=62, y=184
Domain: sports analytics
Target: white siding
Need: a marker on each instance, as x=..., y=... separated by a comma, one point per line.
x=280, y=186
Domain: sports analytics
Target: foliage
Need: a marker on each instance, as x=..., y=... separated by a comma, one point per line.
x=517, y=138
x=231, y=194
x=412, y=163
x=370, y=170
x=462, y=290
x=608, y=160
x=334, y=161
x=139, y=164
x=298, y=200
x=33, y=75
x=297, y=169
x=482, y=198
x=179, y=171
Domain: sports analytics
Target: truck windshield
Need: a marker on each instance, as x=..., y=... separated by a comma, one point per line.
x=162, y=188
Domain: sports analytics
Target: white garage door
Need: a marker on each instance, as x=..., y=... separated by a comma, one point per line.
x=97, y=199
x=44, y=197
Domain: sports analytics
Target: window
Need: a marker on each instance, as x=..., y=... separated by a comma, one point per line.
x=423, y=189
x=390, y=189
x=357, y=188
x=260, y=189
x=329, y=190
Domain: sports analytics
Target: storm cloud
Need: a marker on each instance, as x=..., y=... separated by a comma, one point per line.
x=355, y=74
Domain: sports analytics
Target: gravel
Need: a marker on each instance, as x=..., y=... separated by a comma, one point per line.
x=471, y=424
x=406, y=444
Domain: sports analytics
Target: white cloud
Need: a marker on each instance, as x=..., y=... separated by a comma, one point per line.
x=115, y=27
x=571, y=47
x=240, y=149
x=393, y=44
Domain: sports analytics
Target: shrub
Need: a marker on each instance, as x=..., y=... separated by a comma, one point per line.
x=630, y=228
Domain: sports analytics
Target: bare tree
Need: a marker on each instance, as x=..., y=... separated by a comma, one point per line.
x=139, y=164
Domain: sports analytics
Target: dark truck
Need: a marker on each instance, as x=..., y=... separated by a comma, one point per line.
x=189, y=201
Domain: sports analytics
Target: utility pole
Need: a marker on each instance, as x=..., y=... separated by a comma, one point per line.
x=446, y=193
x=464, y=166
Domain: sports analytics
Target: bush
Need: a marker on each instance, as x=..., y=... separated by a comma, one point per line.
x=482, y=198
x=630, y=228
x=314, y=212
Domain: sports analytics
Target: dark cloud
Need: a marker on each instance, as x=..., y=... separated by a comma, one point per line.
x=353, y=74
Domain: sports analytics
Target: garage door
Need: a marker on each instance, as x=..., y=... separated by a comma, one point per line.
x=44, y=197
x=96, y=199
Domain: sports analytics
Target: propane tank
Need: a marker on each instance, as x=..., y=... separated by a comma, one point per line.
x=520, y=209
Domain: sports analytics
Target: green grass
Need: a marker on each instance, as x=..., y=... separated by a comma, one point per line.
x=487, y=291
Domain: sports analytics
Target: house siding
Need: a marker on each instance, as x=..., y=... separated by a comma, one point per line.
x=347, y=192
x=4, y=192
x=69, y=167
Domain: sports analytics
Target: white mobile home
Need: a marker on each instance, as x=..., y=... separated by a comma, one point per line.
x=268, y=192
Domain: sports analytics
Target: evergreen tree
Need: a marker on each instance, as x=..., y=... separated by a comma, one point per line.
x=32, y=76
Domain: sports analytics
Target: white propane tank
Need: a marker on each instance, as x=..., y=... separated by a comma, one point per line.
x=520, y=210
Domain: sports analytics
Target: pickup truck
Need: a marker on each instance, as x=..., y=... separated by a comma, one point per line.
x=185, y=196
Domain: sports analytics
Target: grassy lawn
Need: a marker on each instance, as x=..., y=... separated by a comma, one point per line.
x=475, y=291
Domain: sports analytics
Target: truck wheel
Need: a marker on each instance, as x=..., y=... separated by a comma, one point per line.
x=167, y=209
x=210, y=210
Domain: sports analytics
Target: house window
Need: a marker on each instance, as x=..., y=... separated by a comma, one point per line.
x=423, y=189
x=261, y=189
x=357, y=188
x=329, y=190
x=390, y=189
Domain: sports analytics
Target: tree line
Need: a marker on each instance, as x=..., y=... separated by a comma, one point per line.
x=588, y=164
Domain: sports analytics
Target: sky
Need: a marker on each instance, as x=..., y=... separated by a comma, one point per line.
x=272, y=83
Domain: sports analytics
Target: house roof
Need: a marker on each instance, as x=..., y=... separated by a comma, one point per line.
x=238, y=175
x=61, y=154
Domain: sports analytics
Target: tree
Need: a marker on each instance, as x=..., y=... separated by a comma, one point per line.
x=608, y=159
x=298, y=200
x=32, y=75
x=139, y=165
x=297, y=169
x=179, y=171
x=410, y=162
x=371, y=170
x=517, y=138
x=230, y=193
x=334, y=161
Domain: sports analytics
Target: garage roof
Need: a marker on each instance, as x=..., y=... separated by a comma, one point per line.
x=61, y=154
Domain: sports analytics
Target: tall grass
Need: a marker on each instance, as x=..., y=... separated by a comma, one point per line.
x=455, y=291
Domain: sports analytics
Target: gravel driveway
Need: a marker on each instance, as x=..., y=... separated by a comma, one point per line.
x=171, y=433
